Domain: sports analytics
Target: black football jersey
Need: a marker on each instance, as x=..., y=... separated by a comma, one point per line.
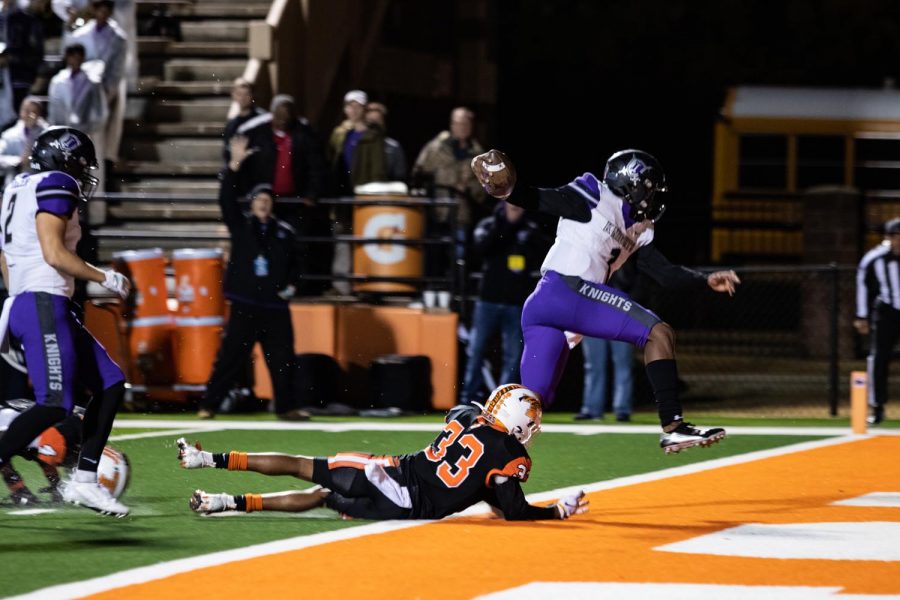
x=457, y=469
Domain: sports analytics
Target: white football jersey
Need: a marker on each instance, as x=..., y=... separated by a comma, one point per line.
x=27, y=195
x=587, y=250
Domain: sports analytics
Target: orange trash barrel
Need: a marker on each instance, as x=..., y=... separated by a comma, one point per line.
x=147, y=271
x=388, y=222
x=197, y=341
x=198, y=282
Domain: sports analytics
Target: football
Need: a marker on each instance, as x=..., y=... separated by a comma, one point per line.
x=113, y=471
x=495, y=172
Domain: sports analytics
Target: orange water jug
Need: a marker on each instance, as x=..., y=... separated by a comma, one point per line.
x=198, y=282
x=197, y=341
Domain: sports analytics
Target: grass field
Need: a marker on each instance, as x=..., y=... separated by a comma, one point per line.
x=71, y=544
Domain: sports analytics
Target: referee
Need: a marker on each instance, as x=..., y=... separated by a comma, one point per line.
x=878, y=312
x=260, y=281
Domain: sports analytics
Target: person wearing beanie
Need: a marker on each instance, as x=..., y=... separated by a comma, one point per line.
x=260, y=280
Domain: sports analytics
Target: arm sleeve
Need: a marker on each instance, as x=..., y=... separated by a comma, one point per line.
x=655, y=265
x=561, y=202
x=866, y=286
x=511, y=500
x=57, y=194
x=228, y=199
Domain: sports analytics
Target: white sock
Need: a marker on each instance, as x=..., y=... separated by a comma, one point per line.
x=85, y=476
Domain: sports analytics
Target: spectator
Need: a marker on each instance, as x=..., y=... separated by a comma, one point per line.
x=512, y=247
x=443, y=164
x=23, y=39
x=878, y=313
x=394, y=156
x=260, y=281
x=249, y=115
x=597, y=353
x=104, y=40
x=75, y=13
x=16, y=142
x=77, y=99
x=287, y=154
x=344, y=141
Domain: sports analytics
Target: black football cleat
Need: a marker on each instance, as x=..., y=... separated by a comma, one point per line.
x=687, y=436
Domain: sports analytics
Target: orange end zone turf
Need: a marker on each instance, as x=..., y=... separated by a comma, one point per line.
x=615, y=542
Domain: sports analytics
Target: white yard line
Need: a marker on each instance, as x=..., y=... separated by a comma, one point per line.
x=167, y=569
x=150, y=434
x=201, y=426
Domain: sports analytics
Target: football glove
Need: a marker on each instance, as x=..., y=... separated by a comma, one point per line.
x=287, y=293
x=117, y=283
x=573, y=504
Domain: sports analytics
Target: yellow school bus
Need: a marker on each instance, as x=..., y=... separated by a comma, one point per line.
x=773, y=143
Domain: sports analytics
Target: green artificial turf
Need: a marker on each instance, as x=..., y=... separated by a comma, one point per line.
x=73, y=544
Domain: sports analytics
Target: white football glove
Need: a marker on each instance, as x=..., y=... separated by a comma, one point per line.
x=573, y=504
x=287, y=293
x=117, y=283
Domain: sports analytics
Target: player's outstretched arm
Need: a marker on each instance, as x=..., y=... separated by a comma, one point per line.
x=723, y=281
x=51, y=231
x=511, y=501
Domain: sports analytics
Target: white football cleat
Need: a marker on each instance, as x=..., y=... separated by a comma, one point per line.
x=192, y=456
x=91, y=494
x=205, y=503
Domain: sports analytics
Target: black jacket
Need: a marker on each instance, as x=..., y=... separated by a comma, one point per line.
x=511, y=252
x=308, y=160
x=275, y=242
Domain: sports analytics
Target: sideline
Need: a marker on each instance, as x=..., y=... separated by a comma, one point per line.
x=202, y=426
x=166, y=569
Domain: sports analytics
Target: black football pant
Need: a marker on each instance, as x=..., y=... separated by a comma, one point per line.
x=884, y=335
x=248, y=324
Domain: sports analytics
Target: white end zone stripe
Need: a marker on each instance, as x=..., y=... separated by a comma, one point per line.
x=167, y=569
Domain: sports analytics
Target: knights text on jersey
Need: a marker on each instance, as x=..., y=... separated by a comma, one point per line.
x=27, y=195
x=458, y=468
x=596, y=249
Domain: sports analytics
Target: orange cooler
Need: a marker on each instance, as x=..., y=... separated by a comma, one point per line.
x=198, y=282
x=388, y=222
x=147, y=271
x=197, y=341
x=150, y=340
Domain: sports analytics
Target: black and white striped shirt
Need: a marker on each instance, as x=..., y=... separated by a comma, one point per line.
x=877, y=279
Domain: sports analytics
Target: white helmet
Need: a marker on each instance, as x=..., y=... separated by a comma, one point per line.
x=515, y=409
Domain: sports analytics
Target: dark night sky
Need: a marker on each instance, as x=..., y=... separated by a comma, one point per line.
x=579, y=79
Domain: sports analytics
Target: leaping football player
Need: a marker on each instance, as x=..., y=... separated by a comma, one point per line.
x=480, y=455
x=602, y=222
x=39, y=229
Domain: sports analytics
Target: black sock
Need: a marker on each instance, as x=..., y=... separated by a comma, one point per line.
x=98, y=422
x=221, y=459
x=26, y=427
x=241, y=502
x=663, y=376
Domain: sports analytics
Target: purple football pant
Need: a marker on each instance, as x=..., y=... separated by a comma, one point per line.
x=59, y=352
x=562, y=303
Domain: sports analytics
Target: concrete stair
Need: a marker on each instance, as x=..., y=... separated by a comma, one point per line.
x=173, y=127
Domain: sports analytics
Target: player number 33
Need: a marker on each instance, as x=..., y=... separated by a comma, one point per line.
x=454, y=474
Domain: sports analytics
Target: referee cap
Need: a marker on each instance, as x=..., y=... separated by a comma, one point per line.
x=892, y=226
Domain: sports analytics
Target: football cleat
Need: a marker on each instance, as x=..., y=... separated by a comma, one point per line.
x=91, y=494
x=193, y=457
x=876, y=417
x=687, y=436
x=205, y=503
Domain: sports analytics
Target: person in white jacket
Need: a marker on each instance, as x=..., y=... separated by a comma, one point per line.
x=104, y=40
x=77, y=99
x=16, y=142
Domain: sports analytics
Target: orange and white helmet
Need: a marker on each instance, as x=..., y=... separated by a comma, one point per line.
x=515, y=409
